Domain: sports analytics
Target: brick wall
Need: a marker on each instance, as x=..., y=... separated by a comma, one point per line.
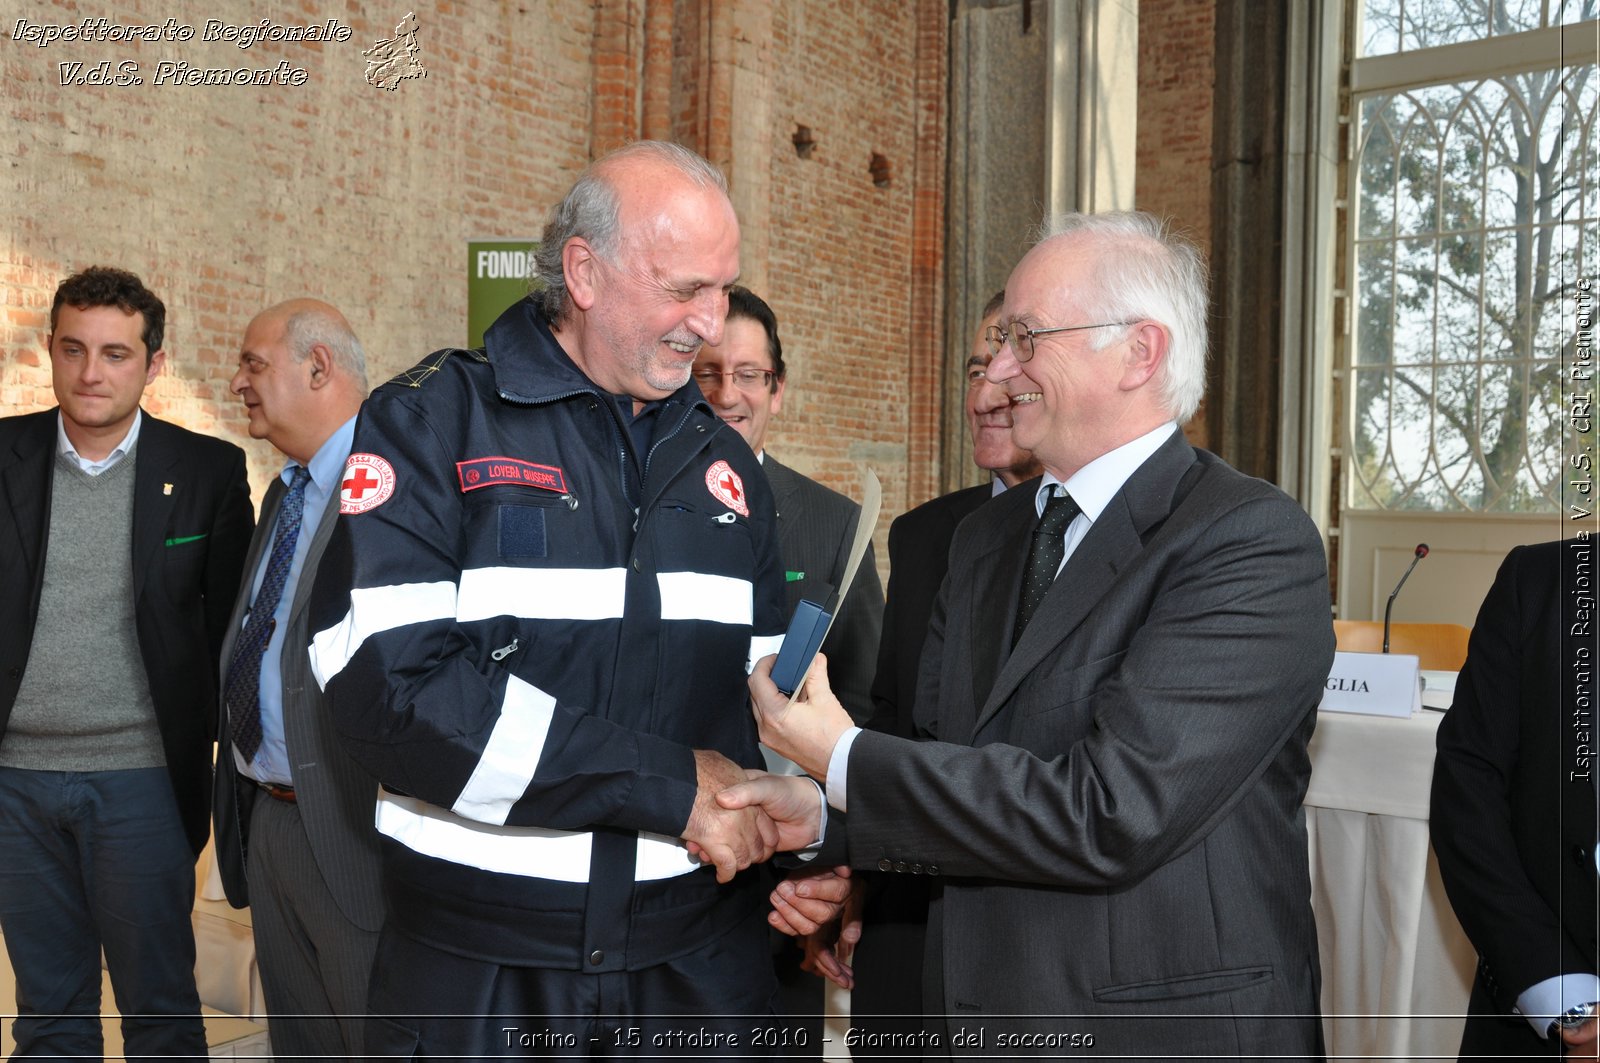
x=1175, y=87
x=1176, y=79
x=226, y=199
x=842, y=275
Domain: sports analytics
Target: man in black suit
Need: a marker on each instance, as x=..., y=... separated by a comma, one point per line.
x=1513, y=809
x=744, y=378
x=108, y=680
x=1110, y=805
x=294, y=812
x=887, y=958
x=919, y=540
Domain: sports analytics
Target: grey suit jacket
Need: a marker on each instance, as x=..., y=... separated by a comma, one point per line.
x=1111, y=813
x=815, y=528
x=335, y=797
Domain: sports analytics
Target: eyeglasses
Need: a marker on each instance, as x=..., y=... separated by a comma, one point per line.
x=1021, y=336
x=745, y=378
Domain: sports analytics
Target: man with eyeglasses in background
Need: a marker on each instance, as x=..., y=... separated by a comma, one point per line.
x=743, y=377
x=1120, y=681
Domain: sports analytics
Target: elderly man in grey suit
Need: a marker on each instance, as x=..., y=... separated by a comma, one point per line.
x=1119, y=683
x=744, y=378
x=293, y=812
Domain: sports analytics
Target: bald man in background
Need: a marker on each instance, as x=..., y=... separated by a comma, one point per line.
x=293, y=812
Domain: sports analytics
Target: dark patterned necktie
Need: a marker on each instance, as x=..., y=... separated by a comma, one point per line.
x=242, y=689
x=1044, y=557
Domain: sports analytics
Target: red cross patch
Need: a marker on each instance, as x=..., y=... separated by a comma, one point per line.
x=368, y=482
x=726, y=487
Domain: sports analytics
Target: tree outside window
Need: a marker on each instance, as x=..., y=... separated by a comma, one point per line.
x=1475, y=211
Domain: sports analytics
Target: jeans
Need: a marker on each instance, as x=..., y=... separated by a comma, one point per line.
x=92, y=860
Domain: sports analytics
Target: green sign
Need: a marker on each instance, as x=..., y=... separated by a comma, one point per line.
x=498, y=274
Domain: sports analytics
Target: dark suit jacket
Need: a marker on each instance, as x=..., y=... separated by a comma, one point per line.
x=919, y=555
x=335, y=797
x=1513, y=817
x=1112, y=811
x=191, y=523
x=888, y=960
x=815, y=528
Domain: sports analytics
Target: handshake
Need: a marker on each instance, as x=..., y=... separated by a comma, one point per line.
x=742, y=817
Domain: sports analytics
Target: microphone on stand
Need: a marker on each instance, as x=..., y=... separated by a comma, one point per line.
x=1421, y=552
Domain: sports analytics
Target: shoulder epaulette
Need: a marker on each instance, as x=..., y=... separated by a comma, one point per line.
x=417, y=374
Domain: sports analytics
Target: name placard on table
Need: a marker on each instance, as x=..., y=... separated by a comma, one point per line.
x=1373, y=684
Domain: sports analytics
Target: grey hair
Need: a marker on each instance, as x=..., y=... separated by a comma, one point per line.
x=591, y=211
x=1146, y=272
x=308, y=328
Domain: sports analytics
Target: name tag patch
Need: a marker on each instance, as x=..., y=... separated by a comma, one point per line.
x=487, y=472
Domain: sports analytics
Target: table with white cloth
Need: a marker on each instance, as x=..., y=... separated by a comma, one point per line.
x=1396, y=967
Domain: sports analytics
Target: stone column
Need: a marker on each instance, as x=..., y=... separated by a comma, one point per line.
x=1043, y=107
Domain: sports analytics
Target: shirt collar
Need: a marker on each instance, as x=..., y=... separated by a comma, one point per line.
x=327, y=464
x=1097, y=483
x=64, y=445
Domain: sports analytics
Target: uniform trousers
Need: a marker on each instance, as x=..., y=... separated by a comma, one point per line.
x=315, y=964
x=90, y=861
x=428, y=1004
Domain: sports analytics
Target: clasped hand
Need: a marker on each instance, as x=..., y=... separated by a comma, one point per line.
x=742, y=817
x=730, y=837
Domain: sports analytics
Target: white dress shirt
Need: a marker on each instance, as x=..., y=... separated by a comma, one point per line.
x=95, y=468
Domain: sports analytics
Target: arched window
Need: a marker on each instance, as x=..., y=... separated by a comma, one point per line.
x=1471, y=201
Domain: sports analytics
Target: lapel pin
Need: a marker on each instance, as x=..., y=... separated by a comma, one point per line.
x=166, y=489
